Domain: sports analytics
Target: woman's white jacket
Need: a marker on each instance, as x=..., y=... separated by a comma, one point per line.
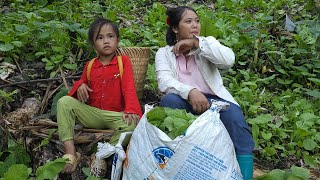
x=210, y=56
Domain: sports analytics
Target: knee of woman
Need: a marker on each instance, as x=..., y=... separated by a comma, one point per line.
x=169, y=99
x=64, y=100
x=233, y=116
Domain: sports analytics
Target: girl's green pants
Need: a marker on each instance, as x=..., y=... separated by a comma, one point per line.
x=70, y=111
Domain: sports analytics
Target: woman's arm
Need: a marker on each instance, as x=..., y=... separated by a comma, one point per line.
x=211, y=49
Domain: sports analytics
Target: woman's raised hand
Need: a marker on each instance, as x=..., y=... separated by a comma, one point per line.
x=198, y=101
x=83, y=92
x=130, y=118
x=185, y=45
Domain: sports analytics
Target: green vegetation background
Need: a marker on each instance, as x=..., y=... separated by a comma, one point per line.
x=277, y=45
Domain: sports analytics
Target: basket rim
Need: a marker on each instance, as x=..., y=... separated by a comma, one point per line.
x=133, y=47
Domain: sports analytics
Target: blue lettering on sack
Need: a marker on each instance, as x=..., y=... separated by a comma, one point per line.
x=115, y=158
x=200, y=164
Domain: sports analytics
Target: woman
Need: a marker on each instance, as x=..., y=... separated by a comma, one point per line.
x=187, y=72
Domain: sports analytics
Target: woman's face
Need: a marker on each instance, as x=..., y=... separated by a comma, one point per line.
x=189, y=25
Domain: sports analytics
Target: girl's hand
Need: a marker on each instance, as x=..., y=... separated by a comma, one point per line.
x=83, y=92
x=185, y=45
x=198, y=101
x=130, y=118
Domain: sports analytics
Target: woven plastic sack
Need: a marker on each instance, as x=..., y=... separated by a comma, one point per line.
x=205, y=151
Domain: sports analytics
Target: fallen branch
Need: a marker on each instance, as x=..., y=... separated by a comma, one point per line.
x=35, y=81
x=11, y=83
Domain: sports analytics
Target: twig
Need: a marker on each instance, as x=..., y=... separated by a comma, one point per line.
x=64, y=79
x=17, y=65
x=4, y=80
x=34, y=81
x=45, y=99
x=49, y=96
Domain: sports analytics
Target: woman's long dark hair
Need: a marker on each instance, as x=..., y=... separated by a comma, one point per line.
x=174, y=17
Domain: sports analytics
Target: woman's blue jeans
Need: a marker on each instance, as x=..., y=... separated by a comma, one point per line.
x=232, y=118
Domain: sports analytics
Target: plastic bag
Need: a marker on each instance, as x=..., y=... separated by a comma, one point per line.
x=205, y=151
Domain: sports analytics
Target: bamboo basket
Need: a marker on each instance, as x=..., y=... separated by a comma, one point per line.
x=139, y=57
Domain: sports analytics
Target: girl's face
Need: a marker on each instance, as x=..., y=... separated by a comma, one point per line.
x=188, y=26
x=106, y=41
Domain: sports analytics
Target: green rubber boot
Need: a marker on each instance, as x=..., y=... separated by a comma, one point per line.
x=246, y=166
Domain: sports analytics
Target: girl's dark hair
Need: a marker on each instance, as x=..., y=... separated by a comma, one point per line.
x=96, y=26
x=174, y=17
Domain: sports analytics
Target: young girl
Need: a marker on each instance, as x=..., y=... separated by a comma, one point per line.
x=107, y=100
x=187, y=72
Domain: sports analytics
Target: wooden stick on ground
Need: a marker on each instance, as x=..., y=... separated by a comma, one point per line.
x=34, y=81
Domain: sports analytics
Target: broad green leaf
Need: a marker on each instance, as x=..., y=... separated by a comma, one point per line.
x=17, y=172
x=275, y=174
x=266, y=136
x=310, y=160
x=49, y=67
x=244, y=25
x=300, y=172
x=6, y=47
x=315, y=81
x=50, y=169
x=285, y=81
x=17, y=43
x=261, y=119
x=40, y=54
x=44, y=35
x=30, y=15
x=281, y=70
x=169, y=123
x=70, y=66
x=309, y=144
x=308, y=117
x=255, y=131
x=315, y=94
x=306, y=121
x=22, y=28
x=179, y=122
x=270, y=150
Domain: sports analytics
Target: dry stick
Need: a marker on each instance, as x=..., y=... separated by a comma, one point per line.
x=48, y=96
x=256, y=49
x=64, y=79
x=18, y=65
x=2, y=86
x=45, y=99
x=34, y=81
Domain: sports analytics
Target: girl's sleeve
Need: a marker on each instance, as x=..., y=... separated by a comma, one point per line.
x=83, y=79
x=129, y=93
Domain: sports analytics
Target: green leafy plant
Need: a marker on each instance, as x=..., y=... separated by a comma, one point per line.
x=6, y=97
x=293, y=173
x=173, y=122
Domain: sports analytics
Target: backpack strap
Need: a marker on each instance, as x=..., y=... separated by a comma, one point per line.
x=120, y=66
x=89, y=68
x=120, y=63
